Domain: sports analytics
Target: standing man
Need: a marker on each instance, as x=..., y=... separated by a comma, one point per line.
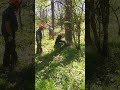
x=39, y=38
x=51, y=32
x=9, y=27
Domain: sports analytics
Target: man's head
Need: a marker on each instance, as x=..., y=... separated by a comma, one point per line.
x=61, y=35
x=15, y=3
x=41, y=27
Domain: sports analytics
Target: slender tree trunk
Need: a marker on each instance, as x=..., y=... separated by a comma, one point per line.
x=20, y=20
x=52, y=9
x=61, y=21
x=117, y=19
x=40, y=11
x=93, y=26
x=79, y=32
x=105, y=22
x=46, y=14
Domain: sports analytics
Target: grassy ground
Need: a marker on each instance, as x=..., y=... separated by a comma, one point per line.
x=59, y=69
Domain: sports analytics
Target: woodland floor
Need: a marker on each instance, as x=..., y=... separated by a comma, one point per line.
x=104, y=73
x=60, y=69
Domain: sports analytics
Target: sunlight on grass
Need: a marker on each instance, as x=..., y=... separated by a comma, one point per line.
x=60, y=69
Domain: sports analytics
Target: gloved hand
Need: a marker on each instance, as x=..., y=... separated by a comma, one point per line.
x=10, y=38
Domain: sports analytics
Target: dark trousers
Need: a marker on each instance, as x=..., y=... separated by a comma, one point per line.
x=59, y=44
x=39, y=48
x=10, y=55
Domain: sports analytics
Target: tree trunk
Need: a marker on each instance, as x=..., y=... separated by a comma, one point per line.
x=79, y=32
x=88, y=40
x=46, y=14
x=93, y=26
x=68, y=16
x=20, y=21
x=105, y=22
x=52, y=9
x=61, y=21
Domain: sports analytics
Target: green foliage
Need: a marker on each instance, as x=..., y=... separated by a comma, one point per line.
x=45, y=85
x=41, y=3
x=66, y=22
x=77, y=21
x=3, y=1
x=3, y=84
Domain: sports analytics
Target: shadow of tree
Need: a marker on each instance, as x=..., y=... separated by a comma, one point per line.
x=46, y=59
x=69, y=55
x=95, y=65
x=92, y=62
x=19, y=80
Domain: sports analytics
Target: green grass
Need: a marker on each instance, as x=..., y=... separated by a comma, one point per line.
x=59, y=69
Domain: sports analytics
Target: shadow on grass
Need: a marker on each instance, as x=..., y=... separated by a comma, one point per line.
x=18, y=80
x=46, y=59
x=93, y=60
x=69, y=54
x=98, y=67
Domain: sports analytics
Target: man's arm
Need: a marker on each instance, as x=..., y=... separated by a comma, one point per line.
x=8, y=27
x=9, y=31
